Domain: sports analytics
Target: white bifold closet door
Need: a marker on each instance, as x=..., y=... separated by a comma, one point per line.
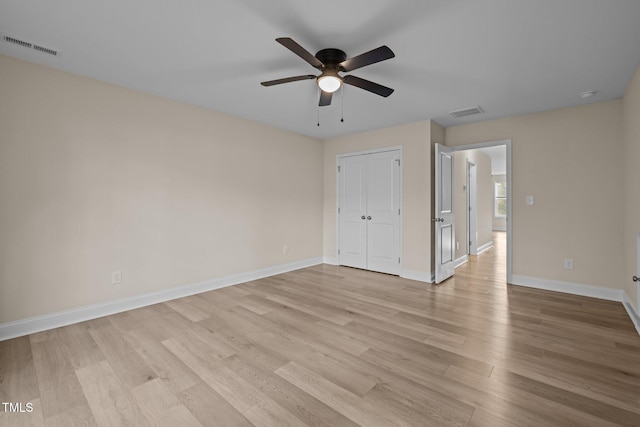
x=369, y=211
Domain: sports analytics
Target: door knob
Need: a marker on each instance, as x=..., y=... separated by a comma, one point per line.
x=362, y=217
x=368, y=217
x=636, y=279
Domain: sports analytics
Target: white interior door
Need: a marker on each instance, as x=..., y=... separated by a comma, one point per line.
x=383, y=212
x=352, y=205
x=444, y=220
x=369, y=211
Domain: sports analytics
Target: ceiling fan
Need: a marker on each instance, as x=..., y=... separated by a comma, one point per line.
x=331, y=62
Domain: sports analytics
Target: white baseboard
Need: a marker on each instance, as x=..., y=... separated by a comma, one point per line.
x=420, y=276
x=484, y=247
x=49, y=321
x=582, y=290
x=331, y=260
x=499, y=229
x=568, y=287
x=633, y=314
x=460, y=261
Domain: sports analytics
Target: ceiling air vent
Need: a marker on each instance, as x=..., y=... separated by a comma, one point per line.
x=29, y=45
x=466, y=112
x=45, y=50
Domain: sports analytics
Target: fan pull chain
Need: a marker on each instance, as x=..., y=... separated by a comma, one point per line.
x=342, y=102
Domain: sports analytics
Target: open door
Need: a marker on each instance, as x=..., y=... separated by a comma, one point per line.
x=444, y=220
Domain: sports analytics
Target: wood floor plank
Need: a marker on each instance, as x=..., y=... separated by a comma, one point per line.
x=309, y=410
x=269, y=413
x=210, y=408
x=165, y=364
x=80, y=416
x=240, y=394
x=339, y=399
x=129, y=366
x=335, y=346
x=18, y=377
x=57, y=381
x=160, y=406
x=110, y=401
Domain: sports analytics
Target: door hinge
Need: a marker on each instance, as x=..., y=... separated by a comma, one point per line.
x=398, y=211
x=338, y=168
x=338, y=210
x=398, y=160
x=338, y=251
x=398, y=260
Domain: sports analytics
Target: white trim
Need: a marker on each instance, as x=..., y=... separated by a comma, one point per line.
x=420, y=276
x=331, y=260
x=599, y=292
x=461, y=260
x=568, y=287
x=485, y=247
x=471, y=197
x=63, y=318
x=633, y=314
x=371, y=151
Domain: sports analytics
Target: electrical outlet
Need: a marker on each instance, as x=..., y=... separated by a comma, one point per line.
x=457, y=245
x=285, y=250
x=116, y=277
x=529, y=200
x=568, y=263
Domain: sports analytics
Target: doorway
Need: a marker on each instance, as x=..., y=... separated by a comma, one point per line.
x=475, y=203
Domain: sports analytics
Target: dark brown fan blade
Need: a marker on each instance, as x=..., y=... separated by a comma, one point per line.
x=368, y=85
x=376, y=55
x=325, y=98
x=288, y=80
x=300, y=51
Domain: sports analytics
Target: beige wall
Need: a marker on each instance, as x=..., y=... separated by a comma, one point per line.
x=484, y=193
x=631, y=195
x=570, y=161
x=499, y=224
x=96, y=178
x=414, y=139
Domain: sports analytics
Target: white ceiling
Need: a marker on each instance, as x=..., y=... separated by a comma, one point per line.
x=508, y=56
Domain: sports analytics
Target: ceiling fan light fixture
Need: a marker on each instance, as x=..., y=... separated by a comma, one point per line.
x=329, y=82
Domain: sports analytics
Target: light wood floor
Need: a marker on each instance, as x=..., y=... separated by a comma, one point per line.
x=334, y=346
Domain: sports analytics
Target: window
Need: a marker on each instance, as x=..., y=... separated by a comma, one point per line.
x=500, y=202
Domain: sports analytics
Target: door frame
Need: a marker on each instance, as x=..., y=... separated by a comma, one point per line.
x=507, y=144
x=472, y=205
x=401, y=185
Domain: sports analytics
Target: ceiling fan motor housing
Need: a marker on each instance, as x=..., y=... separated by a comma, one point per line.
x=331, y=57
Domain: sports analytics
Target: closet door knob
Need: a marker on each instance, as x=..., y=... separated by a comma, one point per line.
x=369, y=218
x=362, y=217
